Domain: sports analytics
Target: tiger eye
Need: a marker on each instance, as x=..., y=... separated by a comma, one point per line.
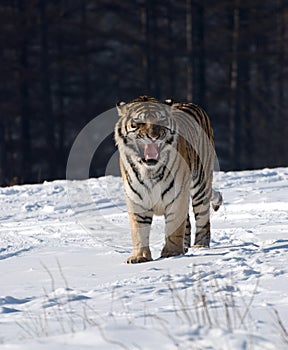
x=134, y=124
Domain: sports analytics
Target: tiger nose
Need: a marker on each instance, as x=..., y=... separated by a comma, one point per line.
x=153, y=132
x=153, y=136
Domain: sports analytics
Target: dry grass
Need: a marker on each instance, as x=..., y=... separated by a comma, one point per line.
x=216, y=304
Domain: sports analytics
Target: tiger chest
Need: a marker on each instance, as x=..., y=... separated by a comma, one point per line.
x=156, y=196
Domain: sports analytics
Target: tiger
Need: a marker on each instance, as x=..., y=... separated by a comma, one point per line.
x=166, y=154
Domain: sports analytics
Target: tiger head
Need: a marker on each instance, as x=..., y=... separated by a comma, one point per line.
x=145, y=130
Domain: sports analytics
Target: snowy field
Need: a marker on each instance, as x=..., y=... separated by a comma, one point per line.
x=64, y=283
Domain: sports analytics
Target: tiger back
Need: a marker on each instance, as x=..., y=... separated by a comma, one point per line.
x=166, y=154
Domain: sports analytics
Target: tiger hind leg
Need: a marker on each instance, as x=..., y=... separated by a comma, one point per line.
x=202, y=217
x=201, y=208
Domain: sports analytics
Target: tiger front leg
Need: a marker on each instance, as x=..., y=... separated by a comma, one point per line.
x=174, y=243
x=140, y=225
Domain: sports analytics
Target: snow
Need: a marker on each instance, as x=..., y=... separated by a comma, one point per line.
x=64, y=283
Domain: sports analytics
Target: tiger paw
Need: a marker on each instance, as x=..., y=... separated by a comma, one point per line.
x=166, y=253
x=200, y=246
x=138, y=259
x=186, y=248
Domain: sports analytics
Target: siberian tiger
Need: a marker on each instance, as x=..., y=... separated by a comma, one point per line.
x=166, y=153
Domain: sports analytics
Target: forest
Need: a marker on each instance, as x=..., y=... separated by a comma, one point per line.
x=63, y=62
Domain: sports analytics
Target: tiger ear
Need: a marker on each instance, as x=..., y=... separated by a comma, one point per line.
x=169, y=101
x=121, y=107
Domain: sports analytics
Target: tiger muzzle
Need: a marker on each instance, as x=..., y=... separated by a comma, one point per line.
x=154, y=134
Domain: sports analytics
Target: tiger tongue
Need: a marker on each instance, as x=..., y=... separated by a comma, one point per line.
x=151, y=151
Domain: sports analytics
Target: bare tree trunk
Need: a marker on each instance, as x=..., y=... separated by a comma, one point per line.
x=201, y=55
x=233, y=82
x=247, y=152
x=86, y=77
x=61, y=115
x=47, y=109
x=3, y=155
x=149, y=35
x=282, y=64
x=155, y=80
x=24, y=96
x=144, y=37
x=284, y=80
x=172, y=49
x=243, y=134
x=189, y=87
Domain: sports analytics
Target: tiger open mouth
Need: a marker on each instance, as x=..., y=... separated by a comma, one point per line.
x=149, y=152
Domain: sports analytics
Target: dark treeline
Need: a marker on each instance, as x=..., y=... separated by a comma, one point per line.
x=65, y=62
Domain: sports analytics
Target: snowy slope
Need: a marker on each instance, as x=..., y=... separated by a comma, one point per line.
x=64, y=283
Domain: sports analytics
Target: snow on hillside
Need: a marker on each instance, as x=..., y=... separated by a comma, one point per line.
x=64, y=283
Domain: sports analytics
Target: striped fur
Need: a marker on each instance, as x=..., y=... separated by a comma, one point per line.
x=166, y=154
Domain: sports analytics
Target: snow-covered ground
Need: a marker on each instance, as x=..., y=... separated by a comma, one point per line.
x=64, y=283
